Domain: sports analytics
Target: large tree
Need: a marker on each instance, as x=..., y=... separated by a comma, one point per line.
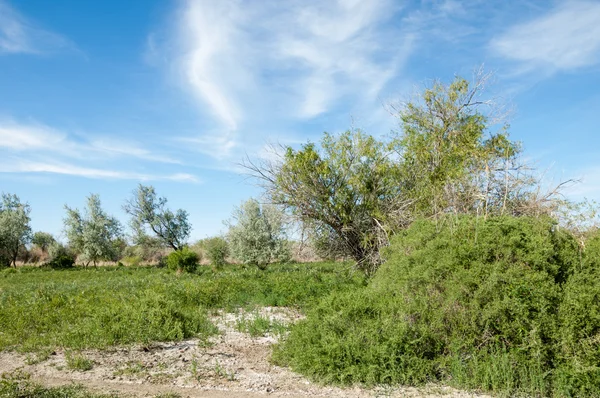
x=93, y=233
x=354, y=191
x=15, y=231
x=149, y=214
x=345, y=192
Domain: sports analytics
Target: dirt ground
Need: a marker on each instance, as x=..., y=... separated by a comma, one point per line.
x=233, y=365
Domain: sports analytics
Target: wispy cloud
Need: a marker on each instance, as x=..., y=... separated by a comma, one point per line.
x=588, y=186
x=37, y=143
x=11, y=165
x=18, y=137
x=565, y=38
x=19, y=35
x=253, y=64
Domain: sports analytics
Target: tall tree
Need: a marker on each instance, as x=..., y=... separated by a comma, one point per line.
x=92, y=234
x=345, y=192
x=150, y=214
x=15, y=231
x=43, y=240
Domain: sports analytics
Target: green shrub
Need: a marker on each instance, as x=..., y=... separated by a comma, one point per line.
x=473, y=303
x=183, y=260
x=217, y=250
x=62, y=261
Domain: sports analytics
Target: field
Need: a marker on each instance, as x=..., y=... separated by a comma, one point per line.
x=153, y=332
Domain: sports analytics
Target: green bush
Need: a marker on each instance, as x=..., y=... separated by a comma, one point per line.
x=183, y=260
x=62, y=261
x=504, y=305
x=217, y=250
x=60, y=257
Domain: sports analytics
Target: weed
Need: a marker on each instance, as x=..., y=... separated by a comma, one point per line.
x=260, y=326
x=78, y=362
x=223, y=373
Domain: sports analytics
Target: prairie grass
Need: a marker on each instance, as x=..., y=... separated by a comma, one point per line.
x=43, y=309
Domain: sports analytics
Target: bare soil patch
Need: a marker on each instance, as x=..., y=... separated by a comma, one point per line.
x=234, y=364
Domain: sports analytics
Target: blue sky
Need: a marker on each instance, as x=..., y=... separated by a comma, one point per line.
x=97, y=96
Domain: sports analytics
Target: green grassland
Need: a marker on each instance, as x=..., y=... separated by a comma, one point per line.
x=43, y=309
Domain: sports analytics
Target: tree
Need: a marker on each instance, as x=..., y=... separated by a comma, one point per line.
x=258, y=236
x=150, y=213
x=451, y=161
x=15, y=231
x=346, y=194
x=354, y=192
x=43, y=240
x=93, y=234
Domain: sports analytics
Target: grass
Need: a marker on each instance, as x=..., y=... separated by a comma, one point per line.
x=44, y=309
x=79, y=362
x=260, y=326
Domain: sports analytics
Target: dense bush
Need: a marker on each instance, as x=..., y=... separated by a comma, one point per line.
x=183, y=260
x=60, y=257
x=217, y=250
x=508, y=305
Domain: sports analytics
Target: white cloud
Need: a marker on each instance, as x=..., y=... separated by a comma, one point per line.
x=256, y=64
x=26, y=148
x=565, y=38
x=588, y=185
x=26, y=166
x=18, y=35
x=18, y=137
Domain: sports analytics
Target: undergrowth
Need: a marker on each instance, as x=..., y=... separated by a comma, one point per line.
x=509, y=305
x=79, y=308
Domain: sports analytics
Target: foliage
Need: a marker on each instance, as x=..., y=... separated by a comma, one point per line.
x=15, y=231
x=150, y=213
x=258, y=236
x=183, y=260
x=341, y=192
x=78, y=362
x=43, y=240
x=260, y=326
x=217, y=250
x=106, y=306
x=355, y=192
x=61, y=262
x=92, y=235
x=506, y=305
x=23, y=388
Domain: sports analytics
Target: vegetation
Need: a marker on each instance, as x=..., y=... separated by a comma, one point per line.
x=92, y=235
x=183, y=260
x=15, y=231
x=217, y=250
x=43, y=240
x=507, y=305
x=258, y=236
x=150, y=213
x=101, y=307
x=471, y=275
x=355, y=192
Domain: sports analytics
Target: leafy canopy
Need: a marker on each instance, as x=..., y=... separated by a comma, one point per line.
x=92, y=234
x=15, y=231
x=149, y=214
x=258, y=236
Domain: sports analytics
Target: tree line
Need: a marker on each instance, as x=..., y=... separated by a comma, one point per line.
x=349, y=194
x=256, y=235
